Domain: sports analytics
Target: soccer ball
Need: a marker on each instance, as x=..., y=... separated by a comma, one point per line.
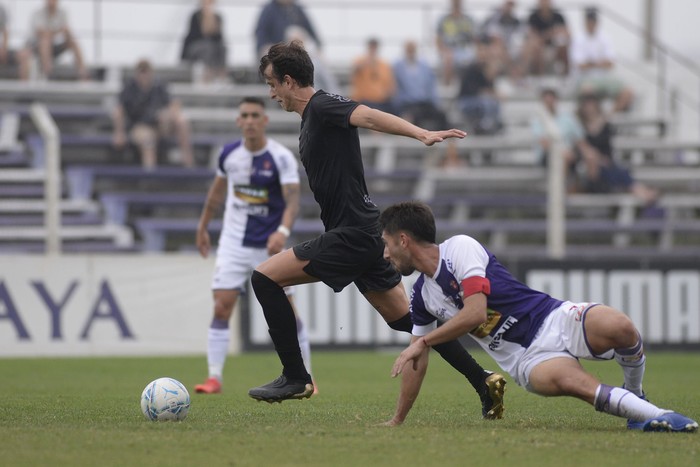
x=165, y=399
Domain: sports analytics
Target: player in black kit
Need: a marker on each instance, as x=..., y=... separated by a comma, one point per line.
x=351, y=249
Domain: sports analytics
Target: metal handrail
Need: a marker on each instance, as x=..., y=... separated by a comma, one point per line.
x=52, y=182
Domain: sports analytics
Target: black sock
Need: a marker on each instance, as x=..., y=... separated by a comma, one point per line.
x=461, y=360
x=282, y=325
x=453, y=353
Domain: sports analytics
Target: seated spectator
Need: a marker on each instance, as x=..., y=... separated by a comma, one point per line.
x=506, y=32
x=416, y=90
x=570, y=132
x=146, y=113
x=204, y=43
x=456, y=33
x=51, y=36
x=275, y=18
x=477, y=99
x=602, y=174
x=372, y=80
x=593, y=60
x=547, y=41
x=417, y=96
x=9, y=57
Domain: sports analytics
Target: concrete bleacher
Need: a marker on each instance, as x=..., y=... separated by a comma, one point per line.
x=499, y=195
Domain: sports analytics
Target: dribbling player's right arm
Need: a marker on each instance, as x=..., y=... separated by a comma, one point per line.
x=212, y=206
x=373, y=119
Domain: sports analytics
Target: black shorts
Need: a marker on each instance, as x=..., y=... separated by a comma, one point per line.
x=349, y=254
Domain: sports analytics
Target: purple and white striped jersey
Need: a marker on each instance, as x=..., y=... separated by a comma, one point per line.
x=254, y=204
x=515, y=311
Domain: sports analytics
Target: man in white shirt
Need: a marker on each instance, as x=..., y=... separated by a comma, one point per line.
x=593, y=59
x=51, y=36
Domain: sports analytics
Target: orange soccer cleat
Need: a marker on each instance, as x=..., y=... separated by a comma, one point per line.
x=210, y=386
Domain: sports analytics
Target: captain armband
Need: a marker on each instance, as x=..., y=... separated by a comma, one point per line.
x=475, y=284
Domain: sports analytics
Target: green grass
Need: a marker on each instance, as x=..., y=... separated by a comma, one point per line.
x=75, y=412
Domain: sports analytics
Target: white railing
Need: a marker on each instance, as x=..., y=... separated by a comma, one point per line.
x=556, y=189
x=52, y=181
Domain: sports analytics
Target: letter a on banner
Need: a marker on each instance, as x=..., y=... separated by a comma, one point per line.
x=106, y=307
x=54, y=308
x=9, y=311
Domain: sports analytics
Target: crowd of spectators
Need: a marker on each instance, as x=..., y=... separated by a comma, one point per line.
x=472, y=57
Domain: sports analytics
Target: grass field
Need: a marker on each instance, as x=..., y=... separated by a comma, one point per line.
x=84, y=412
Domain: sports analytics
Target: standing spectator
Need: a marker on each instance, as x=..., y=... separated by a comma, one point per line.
x=257, y=184
x=146, y=113
x=456, y=33
x=477, y=97
x=603, y=175
x=570, y=132
x=204, y=42
x=274, y=20
x=416, y=90
x=11, y=57
x=547, y=41
x=593, y=59
x=51, y=36
x=505, y=30
x=372, y=80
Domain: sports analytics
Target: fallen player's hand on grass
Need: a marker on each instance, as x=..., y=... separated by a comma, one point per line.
x=392, y=422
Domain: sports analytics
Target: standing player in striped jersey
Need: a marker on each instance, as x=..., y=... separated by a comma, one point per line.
x=258, y=179
x=536, y=338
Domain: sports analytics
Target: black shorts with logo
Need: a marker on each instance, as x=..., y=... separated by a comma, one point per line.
x=349, y=254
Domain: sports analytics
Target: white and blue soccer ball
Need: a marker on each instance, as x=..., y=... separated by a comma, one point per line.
x=165, y=399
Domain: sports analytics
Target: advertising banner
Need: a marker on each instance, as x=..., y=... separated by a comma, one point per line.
x=87, y=305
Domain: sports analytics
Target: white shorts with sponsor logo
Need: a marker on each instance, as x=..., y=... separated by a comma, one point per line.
x=562, y=335
x=234, y=265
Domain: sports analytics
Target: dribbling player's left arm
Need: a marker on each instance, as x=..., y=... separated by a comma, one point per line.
x=411, y=382
x=373, y=119
x=276, y=241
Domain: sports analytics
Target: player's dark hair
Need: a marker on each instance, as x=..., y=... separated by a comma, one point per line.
x=289, y=59
x=253, y=100
x=412, y=217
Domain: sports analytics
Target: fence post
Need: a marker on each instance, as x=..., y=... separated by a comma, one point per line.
x=556, y=190
x=52, y=182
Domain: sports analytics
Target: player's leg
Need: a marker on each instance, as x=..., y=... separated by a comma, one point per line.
x=303, y=336
x=268, y=280
x=607, y=328
x=145, y=138
x=550, y=366
x=233, y=266
x=392, y=304
x=564, y=376
x=218, y=338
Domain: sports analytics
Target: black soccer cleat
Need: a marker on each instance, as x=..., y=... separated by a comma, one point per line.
x=282, y=389
x=492, y=397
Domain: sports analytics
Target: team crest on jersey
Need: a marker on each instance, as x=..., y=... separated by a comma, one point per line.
x=251, y=194
x=441, y=314
x=492, y=319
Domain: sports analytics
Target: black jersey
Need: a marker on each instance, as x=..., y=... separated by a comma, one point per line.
x=330, y=152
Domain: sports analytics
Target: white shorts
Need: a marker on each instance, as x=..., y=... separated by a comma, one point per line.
x=562, y=335
x=234, y=265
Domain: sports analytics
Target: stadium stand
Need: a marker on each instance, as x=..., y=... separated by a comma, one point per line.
x=498, y=195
